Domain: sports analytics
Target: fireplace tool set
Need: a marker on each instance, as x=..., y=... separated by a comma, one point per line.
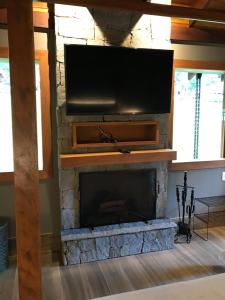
x=186, y=208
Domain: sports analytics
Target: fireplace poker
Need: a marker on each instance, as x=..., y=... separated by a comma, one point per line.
x=192, y=201
x=183, y=205
x=184, y=195
x=188, y=233
x=178, y=202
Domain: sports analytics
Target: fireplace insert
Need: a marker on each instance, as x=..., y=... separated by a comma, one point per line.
x=114, y=197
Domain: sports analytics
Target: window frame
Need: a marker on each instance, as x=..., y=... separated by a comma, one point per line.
x=42, y=57
x=203, y=164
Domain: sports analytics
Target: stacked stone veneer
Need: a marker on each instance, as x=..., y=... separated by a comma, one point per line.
x=77, y=25
x=104, y=242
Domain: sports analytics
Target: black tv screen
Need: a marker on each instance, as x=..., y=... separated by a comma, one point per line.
x=117, y=80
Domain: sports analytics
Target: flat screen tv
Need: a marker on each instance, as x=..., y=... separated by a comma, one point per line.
x=116, y=80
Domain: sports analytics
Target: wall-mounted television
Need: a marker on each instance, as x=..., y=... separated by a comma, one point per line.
x=117, y=80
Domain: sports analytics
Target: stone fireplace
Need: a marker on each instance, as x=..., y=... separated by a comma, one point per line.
x=128, y=227
x=71, y=188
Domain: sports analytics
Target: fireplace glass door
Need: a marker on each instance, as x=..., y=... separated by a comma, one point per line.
x=114, y=197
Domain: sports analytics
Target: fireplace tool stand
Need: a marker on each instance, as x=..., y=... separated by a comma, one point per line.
x=187, y=207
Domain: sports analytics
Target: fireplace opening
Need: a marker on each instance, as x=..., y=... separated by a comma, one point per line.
x=114, y=197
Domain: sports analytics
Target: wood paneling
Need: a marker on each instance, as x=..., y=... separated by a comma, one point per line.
x=150, y=8
x=42, y=57
x=22, y=74
x=113, y=158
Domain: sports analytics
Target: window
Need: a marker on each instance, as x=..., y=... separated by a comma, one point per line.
x=43, y=116
x=198, y=113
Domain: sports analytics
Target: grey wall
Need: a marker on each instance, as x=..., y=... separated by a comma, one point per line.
x=207, y=182
x=48, y=189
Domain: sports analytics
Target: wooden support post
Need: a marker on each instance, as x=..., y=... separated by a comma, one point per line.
x=22, y=74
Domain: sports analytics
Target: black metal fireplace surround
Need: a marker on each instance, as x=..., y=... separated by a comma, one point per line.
x=114, y=197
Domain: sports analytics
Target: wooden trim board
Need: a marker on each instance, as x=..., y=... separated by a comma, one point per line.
x=112, y=158
x=196, y=165
x=193, y=165
x=42, y=57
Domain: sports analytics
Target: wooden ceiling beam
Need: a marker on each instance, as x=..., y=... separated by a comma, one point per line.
x=41, y=4
x=141, y=6
x=183, y=34
x=181, y=3
x=40, y=19
x=3, y=3
x=199, y=4
x=150, y=9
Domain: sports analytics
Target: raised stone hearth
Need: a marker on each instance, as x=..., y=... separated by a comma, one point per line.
x=105, y=242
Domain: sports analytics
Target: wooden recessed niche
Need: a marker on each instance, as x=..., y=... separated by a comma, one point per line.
x=119, y=134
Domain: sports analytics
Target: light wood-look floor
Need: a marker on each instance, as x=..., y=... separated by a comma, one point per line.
x=87, y=281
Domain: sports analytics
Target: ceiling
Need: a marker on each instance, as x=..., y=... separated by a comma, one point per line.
x=182, y=31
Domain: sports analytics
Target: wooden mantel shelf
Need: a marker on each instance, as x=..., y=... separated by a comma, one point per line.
x=112, y=158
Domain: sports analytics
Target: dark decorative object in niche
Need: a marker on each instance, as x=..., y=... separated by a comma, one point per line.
x=106, y=137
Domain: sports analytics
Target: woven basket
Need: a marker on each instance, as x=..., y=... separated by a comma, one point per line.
x=3, y=243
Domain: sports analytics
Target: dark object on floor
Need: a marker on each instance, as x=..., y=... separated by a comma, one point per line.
x=3, y=243
x=188, y=209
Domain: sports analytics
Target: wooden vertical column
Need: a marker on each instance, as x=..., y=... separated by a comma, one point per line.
x=22, y=74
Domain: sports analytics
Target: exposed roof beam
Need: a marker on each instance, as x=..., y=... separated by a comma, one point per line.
x=40, y=20
x=183, y=34
x=3, y=3
x=199, y=4
x=150, y=9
